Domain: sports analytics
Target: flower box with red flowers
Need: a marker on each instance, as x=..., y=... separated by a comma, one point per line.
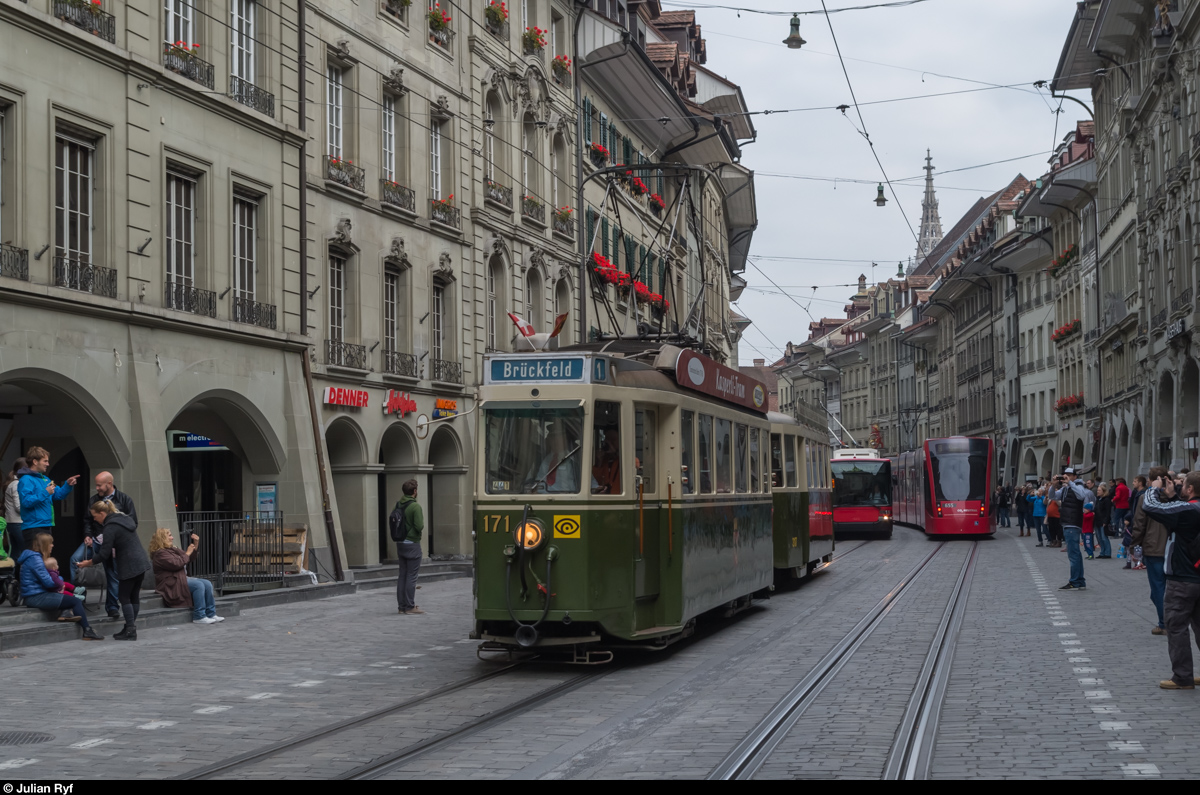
x=598, y=152
x=1069, y=403
x=561, y=67
x=1059, y=263
x=608, y=272
x=533, y=40
x=438, y=19
x=495, y=14
x=656, y=203
x=658, y=302
x=1065, y=331
x=636, y=186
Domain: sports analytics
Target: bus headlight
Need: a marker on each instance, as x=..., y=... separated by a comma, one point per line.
x=531, y=535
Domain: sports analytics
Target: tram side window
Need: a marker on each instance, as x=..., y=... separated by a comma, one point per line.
x=739, y=459
x=724, y=454
x=645, y=429
x=704, y=435
x=765, y=439
x=606, y=442
x=777, y=459
x=686, y=421
x=754, y=459
x=789, y=460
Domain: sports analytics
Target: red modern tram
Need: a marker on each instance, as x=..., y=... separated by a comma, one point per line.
x=862, y=493
x=942, y=488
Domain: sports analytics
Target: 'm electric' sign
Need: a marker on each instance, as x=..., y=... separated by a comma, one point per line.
x=354, y=398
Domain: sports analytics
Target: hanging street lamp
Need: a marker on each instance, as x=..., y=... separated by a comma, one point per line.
x=793, y=41
x=880, y=199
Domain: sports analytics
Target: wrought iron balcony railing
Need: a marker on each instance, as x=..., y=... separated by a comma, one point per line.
x=1182, y=302
x=14, y=262
x=187, y=298
x=533, y=209
x=182, y=62
x=500, y=31
x=443, y=213
x=1159, y=319
x=397, y=363
x=86, y=16
x=252, y=96
x=345, y=173
x=254, y=313
x=443, y=38
x=564, y=226
x=493, y=191
x=447, y=372
x=85, y=277
x=397, y=9
x=345, y=354
x=396, y=195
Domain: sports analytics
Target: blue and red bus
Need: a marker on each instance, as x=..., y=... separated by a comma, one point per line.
x=942, y=488
x=862, y=493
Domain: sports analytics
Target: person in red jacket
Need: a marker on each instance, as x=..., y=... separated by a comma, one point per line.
x=1120, y=502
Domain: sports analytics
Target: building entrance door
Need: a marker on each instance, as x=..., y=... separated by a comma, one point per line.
x=206, y=475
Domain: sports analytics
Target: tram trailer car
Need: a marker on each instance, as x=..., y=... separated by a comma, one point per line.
x=623, y=490
x=942, y=487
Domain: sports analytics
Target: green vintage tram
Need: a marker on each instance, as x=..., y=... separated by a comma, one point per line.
x=624, y=489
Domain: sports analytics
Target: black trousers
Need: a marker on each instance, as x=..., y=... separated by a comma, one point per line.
x=129, y=591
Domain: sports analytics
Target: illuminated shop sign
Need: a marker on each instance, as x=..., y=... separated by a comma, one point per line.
x=354, y=398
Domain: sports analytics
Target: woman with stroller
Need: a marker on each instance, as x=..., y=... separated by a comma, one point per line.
x=39, y=590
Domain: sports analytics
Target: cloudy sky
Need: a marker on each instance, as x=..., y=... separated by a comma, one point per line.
x=825, y=233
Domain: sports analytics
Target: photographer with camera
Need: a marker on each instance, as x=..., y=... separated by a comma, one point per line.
x=171, y=580
x=1072, y=496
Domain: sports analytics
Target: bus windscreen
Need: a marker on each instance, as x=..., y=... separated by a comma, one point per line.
x=960, y=469
x=857, y=482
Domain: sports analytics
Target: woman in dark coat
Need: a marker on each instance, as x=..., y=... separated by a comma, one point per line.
x=132, y=563
x=171, y=580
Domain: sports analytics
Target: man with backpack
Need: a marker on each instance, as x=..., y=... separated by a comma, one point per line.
x=1181, y=603
x=406, y=523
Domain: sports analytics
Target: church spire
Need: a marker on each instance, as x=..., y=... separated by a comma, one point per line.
x=931, y=221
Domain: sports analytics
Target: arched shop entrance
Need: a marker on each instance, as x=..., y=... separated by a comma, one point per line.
x=45, y=409
x=354, y=489
x=448, y=494
x=398, y=455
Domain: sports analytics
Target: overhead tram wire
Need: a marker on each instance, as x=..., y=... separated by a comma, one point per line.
x=863, y=124
x=893, y=4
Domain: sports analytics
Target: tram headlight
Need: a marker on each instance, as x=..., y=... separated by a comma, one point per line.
x=531, y=535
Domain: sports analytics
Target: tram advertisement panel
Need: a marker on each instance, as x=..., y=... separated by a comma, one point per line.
x=702, y=374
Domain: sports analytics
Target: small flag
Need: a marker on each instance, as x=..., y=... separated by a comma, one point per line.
x=559, y=323
x=524, y=327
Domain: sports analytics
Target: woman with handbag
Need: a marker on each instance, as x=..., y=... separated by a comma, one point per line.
x=120, y=536
x=39, y=590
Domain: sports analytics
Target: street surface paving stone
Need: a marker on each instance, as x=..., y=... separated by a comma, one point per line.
x=1044, y=684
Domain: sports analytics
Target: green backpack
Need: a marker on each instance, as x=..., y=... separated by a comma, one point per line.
x=3, y=539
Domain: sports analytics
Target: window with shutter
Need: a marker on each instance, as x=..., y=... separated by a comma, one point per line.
x=604, y=236
x=603, y=130
x=587, y=120
x=627, y=151
x=616, y=248
x=642, y=266
x=591, y=228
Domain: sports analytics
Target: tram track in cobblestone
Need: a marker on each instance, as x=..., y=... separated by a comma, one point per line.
x=913, y=747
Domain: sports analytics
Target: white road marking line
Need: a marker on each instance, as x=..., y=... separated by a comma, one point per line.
x=211, y=710
x=1085, y=670
x=1060, y=624
x=1079, y=659
x=1114, y=725
x=410, y=656
x=90, y=743
x=1131, y=746
x=348, y=673
x=1073, y=651
x=1071, y=642
x=438, y=648
x=261, y=696
x=310, y=683
x=13, y=764
x=1097, y=694
x=157, y=724
x=1091, y=681
x=1068, y=635
x=1106, y=709
x=401, y=667
x=383, y=664
x=1140, y=771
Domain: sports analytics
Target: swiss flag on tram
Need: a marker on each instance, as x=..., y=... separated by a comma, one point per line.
x=523, y=326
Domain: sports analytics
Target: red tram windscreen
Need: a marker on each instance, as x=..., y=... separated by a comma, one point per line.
x=959, y=471
x=862, y=493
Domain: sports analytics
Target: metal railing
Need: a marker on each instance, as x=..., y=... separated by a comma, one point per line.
x=1182, y=301
x=499, y=31
x=1014, y=408
x=237, y=550
x=87, y=16
x=187, y=298
x=1159, y=319
x=247, y=310
x=564, y=226
x=534, y=209
x=532, y=49
x=396, y=195
x=14, y=262
x=561, y=76
x=397, y=363
x=251, y=96
x=447, y=372
x=444, y=214
x=443, y=38
x=345, y=173
x=85, y=277
x=188, y=64
x=493, y=191
x=397, y=9
x=1049, y=359
x=345, y=354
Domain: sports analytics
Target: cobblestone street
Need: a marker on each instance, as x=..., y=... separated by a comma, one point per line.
x=1042, y=685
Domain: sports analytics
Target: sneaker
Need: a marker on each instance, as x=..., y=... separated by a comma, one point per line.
x=1070, y=587
x=415, y=611
x=80, y=593
x=91, y=634
x=1089, y=557
x=1169, y=684
x=203, y=621
x=1158, y=631
x=217, y=619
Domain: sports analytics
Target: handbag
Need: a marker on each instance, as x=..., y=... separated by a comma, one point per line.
x=94, y=576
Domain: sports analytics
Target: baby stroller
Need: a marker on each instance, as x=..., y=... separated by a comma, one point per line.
x=10, y=585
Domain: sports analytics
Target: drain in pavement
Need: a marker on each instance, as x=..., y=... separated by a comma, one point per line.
x=24, y=738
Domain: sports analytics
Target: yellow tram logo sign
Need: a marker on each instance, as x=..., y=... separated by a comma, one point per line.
x=567, y=526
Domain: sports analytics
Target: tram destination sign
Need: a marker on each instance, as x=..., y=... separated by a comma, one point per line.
x=702, y=374
x=538, y=370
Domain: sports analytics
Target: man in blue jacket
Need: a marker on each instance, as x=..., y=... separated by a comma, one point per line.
x=38, y=494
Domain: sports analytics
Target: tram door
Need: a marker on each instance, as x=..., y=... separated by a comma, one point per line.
x=649, y=490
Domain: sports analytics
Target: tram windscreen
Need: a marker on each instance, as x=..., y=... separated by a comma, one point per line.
x=862, y=483
x=959, y=468
x=533, y=451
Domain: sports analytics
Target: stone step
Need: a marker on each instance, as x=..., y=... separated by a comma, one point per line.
x=10, y=616
x=40, y=633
